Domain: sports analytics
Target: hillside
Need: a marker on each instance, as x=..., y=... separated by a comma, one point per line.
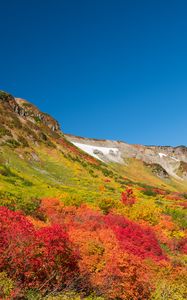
x=36, y=156
x=115, y=211
x=168, y=159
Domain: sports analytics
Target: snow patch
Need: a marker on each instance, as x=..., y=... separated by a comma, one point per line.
x=162, y=155
x=165, y=155
x=112, y=154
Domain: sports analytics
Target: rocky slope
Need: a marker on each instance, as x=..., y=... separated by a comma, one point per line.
x=169, y=160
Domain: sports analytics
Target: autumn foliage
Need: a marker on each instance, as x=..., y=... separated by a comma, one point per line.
x=80, y=248
x=35, y=258
x=127, y=197
x=133, y=238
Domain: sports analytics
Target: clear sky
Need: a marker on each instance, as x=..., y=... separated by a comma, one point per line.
x=114, y=69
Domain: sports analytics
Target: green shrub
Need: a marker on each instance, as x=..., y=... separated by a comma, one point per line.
x=184, y=195
x=64, y=296
x=25, y=104
x=43, y=136
x=72, y=296
x=170, y=291
x=6, y=285
x=15, y=122
x=23, y=141
x=12, y=143
x=147, y=210
x=4, y=131
x=106, y=205
x=19, y=202
x=13, y=177
x=179, y=215
x=73, y=200
x=5, y=171
x=33, y=295
x=31, y=133
x=149, y=192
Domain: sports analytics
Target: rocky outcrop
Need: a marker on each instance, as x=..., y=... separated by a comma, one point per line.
x=32, y=112
x=158, y=170
x=27, y=110
x=182, y=170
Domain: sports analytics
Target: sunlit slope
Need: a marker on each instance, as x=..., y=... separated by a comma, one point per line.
x=137, y=171
x=54, y=173
x=36, y=160
x=151, y=165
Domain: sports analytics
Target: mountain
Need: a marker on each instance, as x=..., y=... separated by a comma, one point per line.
x=164, y=162
x=37, y=160
x=168, y=158
x=89, y=219
x=39, y=153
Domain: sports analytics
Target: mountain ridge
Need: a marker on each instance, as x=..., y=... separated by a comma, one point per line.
x=160, y=165
x=167, y=156
x=121, y=141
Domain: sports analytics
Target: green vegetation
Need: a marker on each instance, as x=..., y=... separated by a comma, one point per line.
x=4, y=131
x=179, y=215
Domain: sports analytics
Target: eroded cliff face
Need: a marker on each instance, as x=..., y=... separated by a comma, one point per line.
x=27, y=110
x=162, y=159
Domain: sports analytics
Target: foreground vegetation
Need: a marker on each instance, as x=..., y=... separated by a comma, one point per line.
x=83, y=252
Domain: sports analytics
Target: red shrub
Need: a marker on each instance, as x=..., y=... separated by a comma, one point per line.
x=56, y=260
x=159, y=191
x=41, y=259
x=127, y=197
x=183, y=204
x=138, y=240
x=174, y=196
x=133, y=238
x=16, y=235
x=125, y=277
x=107, y=180
x=107, y=268
x=53, y=209
x=182, y=245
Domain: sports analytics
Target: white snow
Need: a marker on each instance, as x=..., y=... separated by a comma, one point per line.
x=162, y=155
x=165, y=155
x=110, y=153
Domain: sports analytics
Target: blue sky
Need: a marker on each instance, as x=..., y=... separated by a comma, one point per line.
x=105, y=69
